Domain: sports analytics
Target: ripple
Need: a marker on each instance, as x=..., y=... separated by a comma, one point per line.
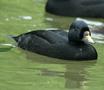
x=92, y=23
x=99, y=38
x=49, y=19
x=26, y=17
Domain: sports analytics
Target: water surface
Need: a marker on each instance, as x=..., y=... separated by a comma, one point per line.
x=22, y=70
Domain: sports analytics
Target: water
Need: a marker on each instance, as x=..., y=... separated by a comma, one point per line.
x=22, y=70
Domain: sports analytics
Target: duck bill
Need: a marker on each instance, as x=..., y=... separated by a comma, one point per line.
x=88, y=40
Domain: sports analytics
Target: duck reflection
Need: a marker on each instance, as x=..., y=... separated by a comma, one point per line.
x=74, y=73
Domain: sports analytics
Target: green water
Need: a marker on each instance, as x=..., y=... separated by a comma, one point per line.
x=21, y=70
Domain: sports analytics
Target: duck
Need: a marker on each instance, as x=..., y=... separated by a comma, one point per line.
x=74, y=44
x=76, y=8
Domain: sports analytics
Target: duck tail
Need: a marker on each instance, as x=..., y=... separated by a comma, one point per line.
x=13, y=37
x=10, y=41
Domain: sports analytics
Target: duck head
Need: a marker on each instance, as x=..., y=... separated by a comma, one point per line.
x=79, y=32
